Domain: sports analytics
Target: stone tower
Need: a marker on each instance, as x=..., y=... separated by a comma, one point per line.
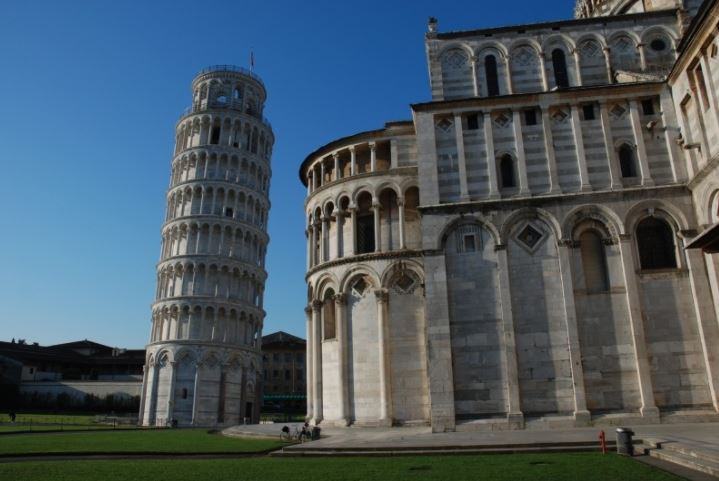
x=203, y=359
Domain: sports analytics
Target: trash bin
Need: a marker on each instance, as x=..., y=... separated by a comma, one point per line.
x=624, y=441
x=315, y=433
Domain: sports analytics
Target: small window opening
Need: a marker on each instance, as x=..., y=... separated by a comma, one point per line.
x=627, y=162
x=490, y=70
x=215, y=136
x=506, y=168
x=470, y=243
x=184, y=393
x=229, y=212
x=658, y=45
x=472, y=122
x=559, y=63
x=648, y=106
x=530, y=117
x=655, y=241
x=588, y=110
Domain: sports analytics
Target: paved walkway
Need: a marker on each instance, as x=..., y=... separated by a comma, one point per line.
x=420, y=438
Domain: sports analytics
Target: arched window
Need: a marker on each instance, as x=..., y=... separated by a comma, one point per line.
x=236, y=94
x=365, y=224
x=506, y=171
x=559, y=63
x=594, y=261
x=328, y=315
x=215, y=135
x=655, y=241
x=627, y=163
x=490, y=72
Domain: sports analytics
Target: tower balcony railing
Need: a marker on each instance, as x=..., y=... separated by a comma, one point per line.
x=231, y=68
x=230, y=104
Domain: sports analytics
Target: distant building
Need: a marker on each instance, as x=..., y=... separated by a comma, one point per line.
x=75, y=369
x=283, y=372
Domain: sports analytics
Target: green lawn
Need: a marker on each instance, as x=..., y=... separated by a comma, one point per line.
x=159, y=441
x=517, y=467
x=54, y=422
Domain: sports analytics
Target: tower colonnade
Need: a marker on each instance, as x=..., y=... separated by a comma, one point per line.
x=203, y=358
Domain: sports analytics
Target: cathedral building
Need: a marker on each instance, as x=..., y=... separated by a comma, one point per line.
x=203, y=363
x=530, y=249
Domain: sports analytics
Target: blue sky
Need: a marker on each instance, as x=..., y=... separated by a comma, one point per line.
x=91, y=91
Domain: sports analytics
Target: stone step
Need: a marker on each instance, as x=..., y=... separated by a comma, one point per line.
x=692, y=450
x=439, y=451
x=311, y=447
x=688, y=461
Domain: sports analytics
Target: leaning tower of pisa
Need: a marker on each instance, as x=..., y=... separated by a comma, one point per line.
x=203, y=358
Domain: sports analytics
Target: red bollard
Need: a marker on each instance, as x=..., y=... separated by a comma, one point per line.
x=603, y=442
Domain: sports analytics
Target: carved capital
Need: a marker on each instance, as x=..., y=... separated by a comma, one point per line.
x=317, y=305
x=340, y=298
x=382, y=295
x=308, y=309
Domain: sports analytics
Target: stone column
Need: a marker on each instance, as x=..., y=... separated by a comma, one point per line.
x=377, y=234
x=382, y=297
x=196, y=395
x=317, y=361
x=615, y=177
x=707, y=325
x=577, y=68
x=338, y=173
x=308, y=234
x=353, y=160
x=340, y=221
x=402, y=238
x=639, y=140
x=461, y=160
x=170, y=413
x=324, y=234
x=322, y=172
x=341, y=320
x=608, y=64
x=515, y=417
x=393, y=154
x=579, y=149
x=581, y=414
x=521, y=157
x=644, y=377
x=309, y=184
x=671, y=134
x=309, y=358
x=143, y=393
x=554, y=187
x=373, y=156
x=543, y=66
x=491, y=161
x=427, y=158
x=475, y=79
x=508, y=73
x=353, y=224
x=642, y=56
x=439, y=345
x=709, y=82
